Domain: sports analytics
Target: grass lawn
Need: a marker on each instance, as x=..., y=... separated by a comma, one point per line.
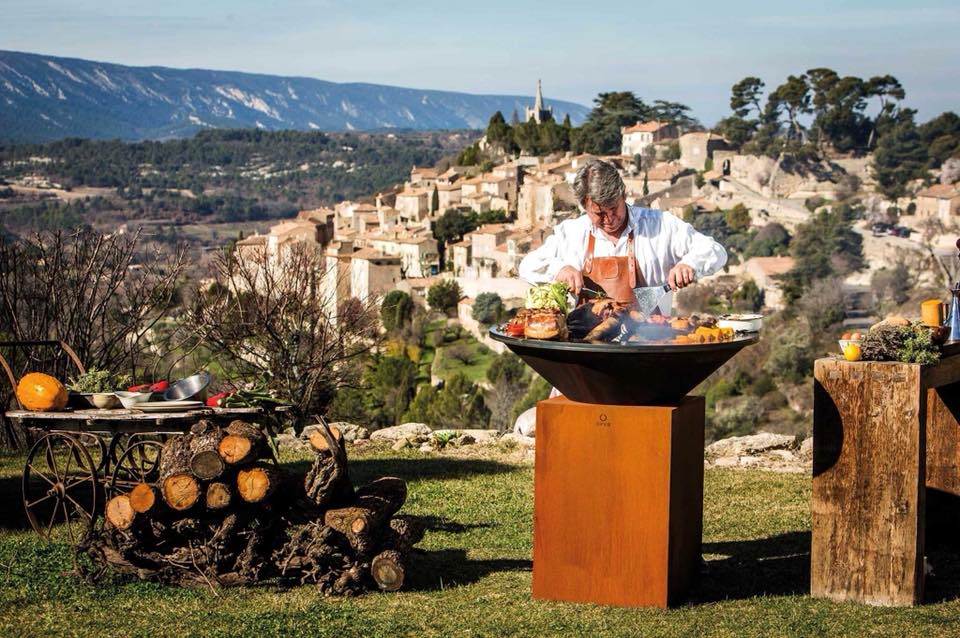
x=473, y=578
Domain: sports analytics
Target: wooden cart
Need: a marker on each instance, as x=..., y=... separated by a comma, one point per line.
x=81, y=458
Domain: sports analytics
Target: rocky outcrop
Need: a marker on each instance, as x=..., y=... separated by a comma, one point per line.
x=404, y=431
x=764, y=450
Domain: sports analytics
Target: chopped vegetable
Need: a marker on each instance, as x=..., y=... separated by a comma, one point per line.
x=217, y=400
x=548, y=296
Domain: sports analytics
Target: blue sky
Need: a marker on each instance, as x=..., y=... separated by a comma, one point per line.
x=686, y=51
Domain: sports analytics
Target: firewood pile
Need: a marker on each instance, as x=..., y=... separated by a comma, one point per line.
x=223, y=513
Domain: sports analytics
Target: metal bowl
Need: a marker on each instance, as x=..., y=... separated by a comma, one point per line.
x=624, y=374
x=193, y=387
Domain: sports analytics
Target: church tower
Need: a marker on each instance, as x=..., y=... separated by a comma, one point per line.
x=539, y=113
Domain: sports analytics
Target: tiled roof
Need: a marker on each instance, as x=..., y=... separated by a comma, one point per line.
x=941, y=191
x=371, y=254
x=772, y=265
x=664, y=172
x=646, y=127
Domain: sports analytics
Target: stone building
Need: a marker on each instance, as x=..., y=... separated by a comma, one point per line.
x=413, y=204
x=940, y=200
x=697, y=148
x=765, y=272
x=635, y=139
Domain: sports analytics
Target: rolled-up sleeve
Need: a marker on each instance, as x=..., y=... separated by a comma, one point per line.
x=691, y=247
x=543, y=264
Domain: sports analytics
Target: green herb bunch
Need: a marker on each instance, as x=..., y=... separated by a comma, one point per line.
x=95, y=380
x=908, y=344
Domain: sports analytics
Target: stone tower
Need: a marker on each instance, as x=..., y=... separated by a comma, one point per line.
x=539, y=113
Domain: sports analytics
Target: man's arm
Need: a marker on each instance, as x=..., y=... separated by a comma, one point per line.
x=693, y=248
x=542, y=265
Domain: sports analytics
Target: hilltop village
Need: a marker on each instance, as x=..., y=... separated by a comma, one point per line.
x=389, y=241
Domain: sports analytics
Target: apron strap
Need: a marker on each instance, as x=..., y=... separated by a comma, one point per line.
x=588, y=260
x=631, y=260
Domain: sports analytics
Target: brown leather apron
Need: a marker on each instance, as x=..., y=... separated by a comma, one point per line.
x=616, y=276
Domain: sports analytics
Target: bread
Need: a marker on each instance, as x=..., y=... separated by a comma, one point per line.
x=545, y=324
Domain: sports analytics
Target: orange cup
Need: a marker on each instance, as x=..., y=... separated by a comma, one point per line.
x=933, y=312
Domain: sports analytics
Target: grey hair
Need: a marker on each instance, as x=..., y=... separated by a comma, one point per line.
x=599, y=181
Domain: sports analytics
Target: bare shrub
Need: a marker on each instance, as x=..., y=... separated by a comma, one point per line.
x=274, y=321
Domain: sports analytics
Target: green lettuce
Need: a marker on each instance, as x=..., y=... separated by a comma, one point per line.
x=551, y=296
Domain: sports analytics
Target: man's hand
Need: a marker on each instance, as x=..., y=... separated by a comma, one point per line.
x=681, y=276
x=572, y=277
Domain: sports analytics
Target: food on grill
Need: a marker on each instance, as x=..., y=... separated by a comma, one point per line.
x=587, y=317
x=548, y=296
x=608, y=321
x=545, y=324
x=606, y=330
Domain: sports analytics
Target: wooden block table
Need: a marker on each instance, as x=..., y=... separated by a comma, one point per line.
x=618, y=504
x=882, y=434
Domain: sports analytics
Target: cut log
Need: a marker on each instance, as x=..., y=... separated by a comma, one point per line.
x=180, y=489
x=205, y=460
x=404, y=533
x=388, y=570
x=375, y=503
x=242, y=443
x=320, y=442
x=255, y=484
x=143, y=498
x=328, y=483
x=120, y=514
x=362, y=522
x=219, y=496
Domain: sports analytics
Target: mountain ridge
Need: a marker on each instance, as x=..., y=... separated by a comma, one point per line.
x=45, y=97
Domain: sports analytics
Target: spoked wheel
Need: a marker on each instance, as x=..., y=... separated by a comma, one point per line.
x=98, y=449
x=60, y=486
x=120, y=443
x=139, y=463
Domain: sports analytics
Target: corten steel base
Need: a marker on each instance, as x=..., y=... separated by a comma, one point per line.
x=618, y=505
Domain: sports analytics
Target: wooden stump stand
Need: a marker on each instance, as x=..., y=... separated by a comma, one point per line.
x=618, y=504
x=883, y=434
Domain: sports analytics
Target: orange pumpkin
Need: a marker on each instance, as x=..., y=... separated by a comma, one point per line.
x=41, y=392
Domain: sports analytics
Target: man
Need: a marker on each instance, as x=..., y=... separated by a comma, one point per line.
x=614, y=247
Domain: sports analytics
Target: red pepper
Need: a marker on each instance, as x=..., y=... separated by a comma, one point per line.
x=216, y=400
x=159, y=386
x=514, y=329
x=143, y=387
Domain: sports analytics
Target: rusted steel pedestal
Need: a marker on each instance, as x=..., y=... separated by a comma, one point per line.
x=618, y=506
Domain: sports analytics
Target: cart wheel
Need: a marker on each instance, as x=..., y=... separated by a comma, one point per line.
x=60, y=485
x=100, y=455
x=120, y=442
x=139, y=463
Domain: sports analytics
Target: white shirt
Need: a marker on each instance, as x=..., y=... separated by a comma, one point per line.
x=661, y=241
